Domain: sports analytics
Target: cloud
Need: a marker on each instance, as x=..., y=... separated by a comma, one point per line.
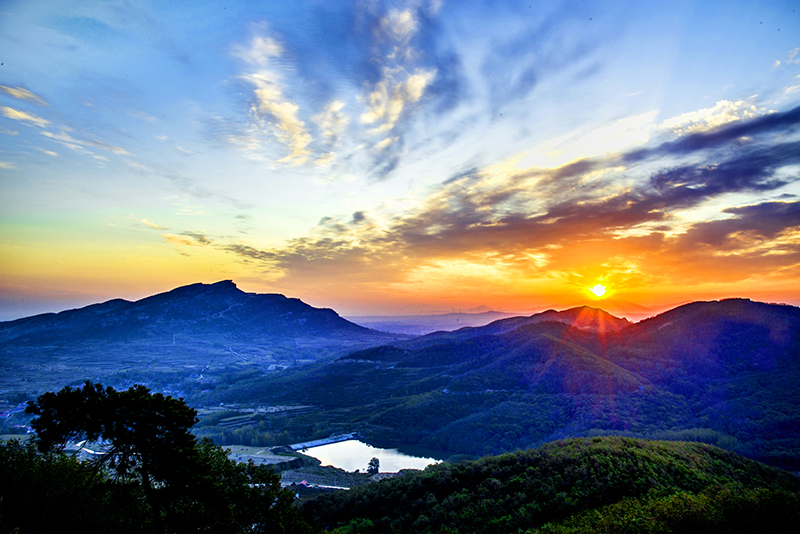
x=48, y=152
x=610, y=138
x=106, y=146
x=248, y=252
x=791, y=89
x=198, y=237
x=722, y=113
x=152, y=225
x=22, y=116
x=389, y=97
x=7, y=165
x=737, y=132
x=271, y=109
x=400, y=83
x=141, y=115
x=22, y=94
x=398, y=25
x=623, y=219
x=332, y=121
x=750, y=225
x=64, y=138
x=181, y=240
x=515, y=61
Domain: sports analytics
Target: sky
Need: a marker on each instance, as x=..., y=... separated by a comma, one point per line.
x=400, y=157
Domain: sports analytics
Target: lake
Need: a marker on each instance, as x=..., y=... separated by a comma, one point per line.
x=353, y=454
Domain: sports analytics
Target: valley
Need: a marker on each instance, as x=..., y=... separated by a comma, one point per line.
x=269, y=372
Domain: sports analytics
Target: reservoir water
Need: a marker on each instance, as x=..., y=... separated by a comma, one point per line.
x=353, y=454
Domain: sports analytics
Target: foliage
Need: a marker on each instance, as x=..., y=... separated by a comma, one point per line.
x=533, y=488
x=725, y=373
x=173, y=482
x=374, y=466
x=147, y=434
x=715, y=509
x=52, y=492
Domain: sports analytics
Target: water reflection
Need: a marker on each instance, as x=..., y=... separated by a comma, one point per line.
x=353, y=454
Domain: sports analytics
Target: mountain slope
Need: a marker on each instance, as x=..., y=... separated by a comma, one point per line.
x=199, y=309
x=582, y=317
x=181, y=340
x=533, y=488
x=723, y=372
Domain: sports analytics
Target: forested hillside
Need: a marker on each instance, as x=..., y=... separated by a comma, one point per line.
x=723, y=372
x=579, y=485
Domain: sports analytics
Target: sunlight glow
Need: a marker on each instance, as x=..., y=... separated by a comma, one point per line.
x=598, y=290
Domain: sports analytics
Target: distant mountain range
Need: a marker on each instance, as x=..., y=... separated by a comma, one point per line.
x=724, y=372
x=418, y=325
x=197, y=309
x=422, y=324
x=199, y=327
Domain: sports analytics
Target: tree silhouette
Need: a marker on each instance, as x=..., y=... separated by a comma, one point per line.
x=374, y=466
x=145, y=434
x=145, y=442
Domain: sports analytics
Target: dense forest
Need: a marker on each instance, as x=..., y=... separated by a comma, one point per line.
x=607, y=485
x=724, y=373
x=578, y=485
x=153, y=475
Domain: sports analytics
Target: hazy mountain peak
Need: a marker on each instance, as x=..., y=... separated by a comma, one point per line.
x=585, y=317
x=198, y=309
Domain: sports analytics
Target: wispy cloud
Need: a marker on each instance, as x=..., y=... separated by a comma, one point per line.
x=401, y=83
x=271, y=109
x=23, y=116
x=526, y=217
x=106, y=146
x=152, y=225
x=22, y=94
x=332, y=121
x=48, y=152
x=722, y=113
x=391, y=95
x=65, y=138
x=181, y=240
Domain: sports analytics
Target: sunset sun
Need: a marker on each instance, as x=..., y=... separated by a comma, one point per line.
x=598, y=290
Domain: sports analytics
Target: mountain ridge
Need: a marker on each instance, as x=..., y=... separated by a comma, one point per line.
x=182, y=340
x=186, y=309
x=726, y=372
x=723, y=371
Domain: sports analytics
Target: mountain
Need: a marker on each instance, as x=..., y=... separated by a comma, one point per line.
x=199, y=327
x=629, y=310
x=197, y=309
x=579, y=485
x=494, y=322
x=582, y=317
x=724, y=372
x=418, y=325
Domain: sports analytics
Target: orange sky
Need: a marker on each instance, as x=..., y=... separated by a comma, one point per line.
x=388, y=159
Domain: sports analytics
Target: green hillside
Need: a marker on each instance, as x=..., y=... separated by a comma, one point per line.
x=725, y=373
x=609, y=484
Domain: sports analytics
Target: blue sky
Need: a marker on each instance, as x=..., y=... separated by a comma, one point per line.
x=393, y=157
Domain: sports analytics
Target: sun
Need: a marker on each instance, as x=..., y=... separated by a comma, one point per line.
x=598, y=290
